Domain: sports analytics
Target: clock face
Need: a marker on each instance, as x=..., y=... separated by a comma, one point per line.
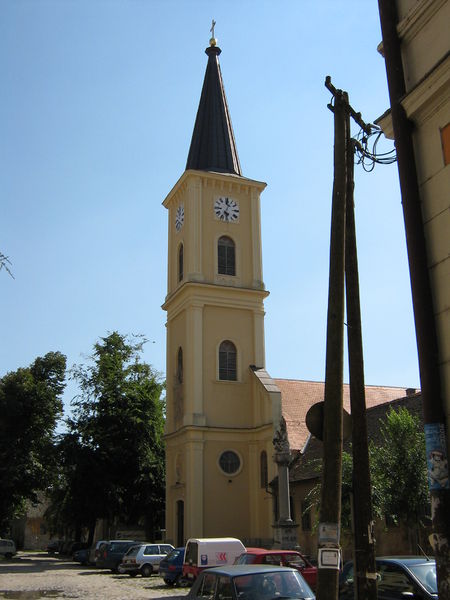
x=226, y=209
x=179, y=217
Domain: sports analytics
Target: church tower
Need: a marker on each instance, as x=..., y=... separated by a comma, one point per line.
x=220, y=413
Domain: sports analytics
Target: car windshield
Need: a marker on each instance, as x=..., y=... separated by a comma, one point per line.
x=271, y=585
x=426, y=574
x=173, y=555
x=133, y=551
x=118, y=547
x=245, y=559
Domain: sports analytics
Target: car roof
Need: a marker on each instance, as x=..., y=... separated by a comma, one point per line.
x=214, y=540
x=406, y=560
x=265, y=551
x=237, y=570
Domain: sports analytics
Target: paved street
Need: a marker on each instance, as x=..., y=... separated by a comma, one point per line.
x=31, y=576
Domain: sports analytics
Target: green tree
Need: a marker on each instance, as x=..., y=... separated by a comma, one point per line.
x=399, y=468
x=30, y=406
x=398, y=473
x=113, y=452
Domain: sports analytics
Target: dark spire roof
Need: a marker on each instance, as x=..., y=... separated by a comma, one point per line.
x=212, y=146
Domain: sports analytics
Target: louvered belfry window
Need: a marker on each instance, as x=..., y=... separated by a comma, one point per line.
x=180, y=365
x=226, y=256
x=227, y=361
x=180, y=263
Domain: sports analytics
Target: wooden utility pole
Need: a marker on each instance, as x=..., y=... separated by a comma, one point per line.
x=330, y=508
x=365, y=576
x=344, y=262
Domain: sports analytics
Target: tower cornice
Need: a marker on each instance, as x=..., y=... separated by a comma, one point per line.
x=210, y=293
x=224, y=182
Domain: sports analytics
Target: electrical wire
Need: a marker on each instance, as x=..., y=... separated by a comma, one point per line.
x=365, y=148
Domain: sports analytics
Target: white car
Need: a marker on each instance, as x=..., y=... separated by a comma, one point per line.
x=144, y=559
x=7, y=548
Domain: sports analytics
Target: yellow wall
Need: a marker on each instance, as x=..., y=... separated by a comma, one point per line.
x=206, y=416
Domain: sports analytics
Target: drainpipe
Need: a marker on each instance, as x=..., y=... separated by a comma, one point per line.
x=426, y=335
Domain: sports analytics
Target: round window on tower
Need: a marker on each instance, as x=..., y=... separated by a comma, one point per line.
x=230, y=462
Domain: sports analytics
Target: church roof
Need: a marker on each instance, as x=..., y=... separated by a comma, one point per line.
x=298, y=396
x=213, y=147
x=308, y=464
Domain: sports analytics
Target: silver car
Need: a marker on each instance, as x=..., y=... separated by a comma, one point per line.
x=144, y=559
x=7, y=548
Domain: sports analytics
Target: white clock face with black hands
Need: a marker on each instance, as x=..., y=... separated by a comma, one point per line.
x=179, y=217
x=226, y=209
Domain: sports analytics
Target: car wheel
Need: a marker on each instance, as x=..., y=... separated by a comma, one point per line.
x=182, y=582
x=146, y=570
x=169, y=582
x=8, y=555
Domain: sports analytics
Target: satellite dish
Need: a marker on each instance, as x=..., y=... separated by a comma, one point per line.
x=314, y=421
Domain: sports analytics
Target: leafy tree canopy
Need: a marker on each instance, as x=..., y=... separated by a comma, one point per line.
x=30, y=406
x=113, y=455
x=399, y=469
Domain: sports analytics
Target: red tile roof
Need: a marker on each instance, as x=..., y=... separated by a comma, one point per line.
x=298, y=396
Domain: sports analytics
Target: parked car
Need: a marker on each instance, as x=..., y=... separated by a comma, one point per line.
x=81, y=556
x=398, y=577
x=171, y=568
x=203, y=553
x=54, y=546
x=261, y=582
x=7, y=548
x=94, y=551
x=144, y=558
x=66, y=547
x=78, y=546
x=283, y=558
x=111, y=554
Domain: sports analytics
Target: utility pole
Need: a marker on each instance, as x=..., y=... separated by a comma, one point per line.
x=344, y=265
x=330, y=507
x=365, y=576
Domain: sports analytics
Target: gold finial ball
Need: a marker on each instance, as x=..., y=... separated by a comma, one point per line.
x=213, y=42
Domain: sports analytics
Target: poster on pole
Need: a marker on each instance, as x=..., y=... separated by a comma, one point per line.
x=437, y=462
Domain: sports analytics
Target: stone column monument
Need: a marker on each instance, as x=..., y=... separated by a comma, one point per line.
x=285, y=533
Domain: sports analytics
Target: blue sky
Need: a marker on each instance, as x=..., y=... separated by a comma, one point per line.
x=97, y=109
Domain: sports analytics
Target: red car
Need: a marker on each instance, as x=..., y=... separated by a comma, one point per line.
x=284, y=558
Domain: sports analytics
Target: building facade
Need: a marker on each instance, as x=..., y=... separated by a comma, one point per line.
x=424, y=95
x=220, y=413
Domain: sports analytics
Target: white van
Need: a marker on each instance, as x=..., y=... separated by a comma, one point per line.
x=7, y=548
x=202, y=553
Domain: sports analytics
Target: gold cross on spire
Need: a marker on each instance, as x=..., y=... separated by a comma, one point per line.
x=213, y=41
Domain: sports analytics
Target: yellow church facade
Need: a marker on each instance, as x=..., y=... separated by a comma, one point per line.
x=221, y=408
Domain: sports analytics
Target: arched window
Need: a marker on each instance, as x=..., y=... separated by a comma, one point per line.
x=226, y=256
x=227, y=361
x=180, y=262
x=180, y=365
x=263, y=469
